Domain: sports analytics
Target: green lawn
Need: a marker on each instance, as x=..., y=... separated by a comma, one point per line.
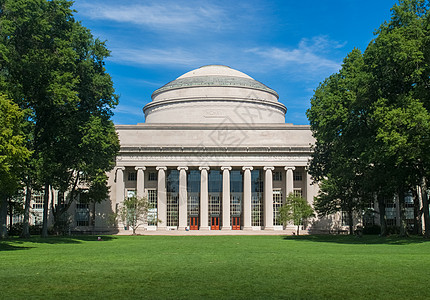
x=215, y=267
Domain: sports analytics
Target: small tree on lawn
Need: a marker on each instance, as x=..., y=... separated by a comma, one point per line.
x=134, y=212
x=295, y=209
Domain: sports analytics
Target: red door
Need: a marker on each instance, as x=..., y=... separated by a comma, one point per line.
x=214, y=223
x=194, y=223
x=235, y=223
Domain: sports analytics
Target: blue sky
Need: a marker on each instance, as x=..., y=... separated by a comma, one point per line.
x=291, y=46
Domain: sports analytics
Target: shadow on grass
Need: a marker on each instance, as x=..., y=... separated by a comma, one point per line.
x=360, y=240
x=14, y=242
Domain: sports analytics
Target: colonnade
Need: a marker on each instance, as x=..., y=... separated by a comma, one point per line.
x=204, y=194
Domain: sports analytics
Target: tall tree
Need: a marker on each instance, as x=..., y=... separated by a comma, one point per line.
x=295, y=210
x=54, y=68
x=13, y=155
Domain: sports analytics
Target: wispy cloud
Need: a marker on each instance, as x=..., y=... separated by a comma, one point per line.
x=167, y=15
x=309, y=54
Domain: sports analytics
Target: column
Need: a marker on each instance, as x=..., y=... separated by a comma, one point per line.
x=247, y=197
x=204, y=198
x=120, y=185
x=226, y=220
x=140, y=182
x=268, y=198
x=161, y=198
x=289, y=181
x=182, y=198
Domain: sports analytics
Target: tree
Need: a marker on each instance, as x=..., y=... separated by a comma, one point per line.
x=13, y=155
x=134, y=212
x=295, y=209
x=54, y=69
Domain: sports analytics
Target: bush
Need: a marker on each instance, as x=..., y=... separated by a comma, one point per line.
x=372, y=229
x=16, y=229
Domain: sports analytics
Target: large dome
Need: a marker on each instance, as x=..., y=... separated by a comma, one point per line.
x=214, y=94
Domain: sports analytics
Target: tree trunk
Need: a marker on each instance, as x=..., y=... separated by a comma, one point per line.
x=45, y=211
x=298, y=229
x=350, y=222
x=3, y=217
x=26, y=225
x=382, y=216
x=402, y=210
x=10, y=214
x=425, y=209
x=418, y=226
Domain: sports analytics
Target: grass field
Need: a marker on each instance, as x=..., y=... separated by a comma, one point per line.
x=215, y=267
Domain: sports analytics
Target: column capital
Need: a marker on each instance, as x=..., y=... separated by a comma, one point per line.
x=183, y=168
x=140, y=168
x=204, y=168
x=247, y=168
x=226, y=168
x=269, y=168
x=161, y=168
x=289, y=168
x=119, y=168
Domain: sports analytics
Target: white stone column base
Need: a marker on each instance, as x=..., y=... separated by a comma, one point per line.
x=226, y=228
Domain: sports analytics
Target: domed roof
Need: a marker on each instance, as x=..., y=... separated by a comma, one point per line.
x=214, y=76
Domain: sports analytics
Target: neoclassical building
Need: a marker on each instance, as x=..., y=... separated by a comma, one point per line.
x=214, y=153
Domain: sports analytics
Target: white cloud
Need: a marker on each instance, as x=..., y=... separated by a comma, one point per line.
x=309, y=54
x=170, y=15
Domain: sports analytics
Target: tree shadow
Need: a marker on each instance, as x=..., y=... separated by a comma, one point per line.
x=359, y=240
x=73, y=239
x=5, y=246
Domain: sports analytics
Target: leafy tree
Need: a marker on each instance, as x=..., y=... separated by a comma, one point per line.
x=13, y=155
x=295, y=209
x=134, y=212
x=53, y=67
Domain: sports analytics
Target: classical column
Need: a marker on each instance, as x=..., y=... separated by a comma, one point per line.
x=268, y=198
x=289, y=181
x=140, y=182
x=182, y=198
x=226, y=198
x=204, y=198
x=119, y=185
x=161, y=198
x=247, y=197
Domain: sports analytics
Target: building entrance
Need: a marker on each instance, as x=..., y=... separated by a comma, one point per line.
x=214, y=223
x=235, y=223
x=194, y=223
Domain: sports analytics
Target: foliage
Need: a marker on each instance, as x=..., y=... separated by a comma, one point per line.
x=134, y=212
x=295, y=209
x=52, y=67
x=371, y=119
x=13, y=154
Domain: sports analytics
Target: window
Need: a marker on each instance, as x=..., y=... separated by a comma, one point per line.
x=131, y=193
x=277, y=176
x=236, y=193
x=152, y=176
x=215, y=194
x=172, y=189
x=298, y=192
x=256, y=198
x=152, y=210
x=277, y=203
x=345, y=220
x=82, y=214
x=132, y=176
x=297, y=176
x=37, y=198
x=193, y=193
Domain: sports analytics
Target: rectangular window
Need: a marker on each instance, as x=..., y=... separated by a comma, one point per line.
x=152, y=210
x=277, y=176
x=215, y=194
x=345, y=221
x=297, y=176
x=236, y=193
x=132, y=176
x=37, y=198
x=193, y=194
x=277, y=203
x=172, y=189
x=152, y=176
x=82, y=214
x=131, y=193
x=256, y=198
x=298, y=192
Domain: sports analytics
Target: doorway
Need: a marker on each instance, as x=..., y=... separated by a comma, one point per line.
x=214, y=223
x=194, y=223
x=235, y=223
